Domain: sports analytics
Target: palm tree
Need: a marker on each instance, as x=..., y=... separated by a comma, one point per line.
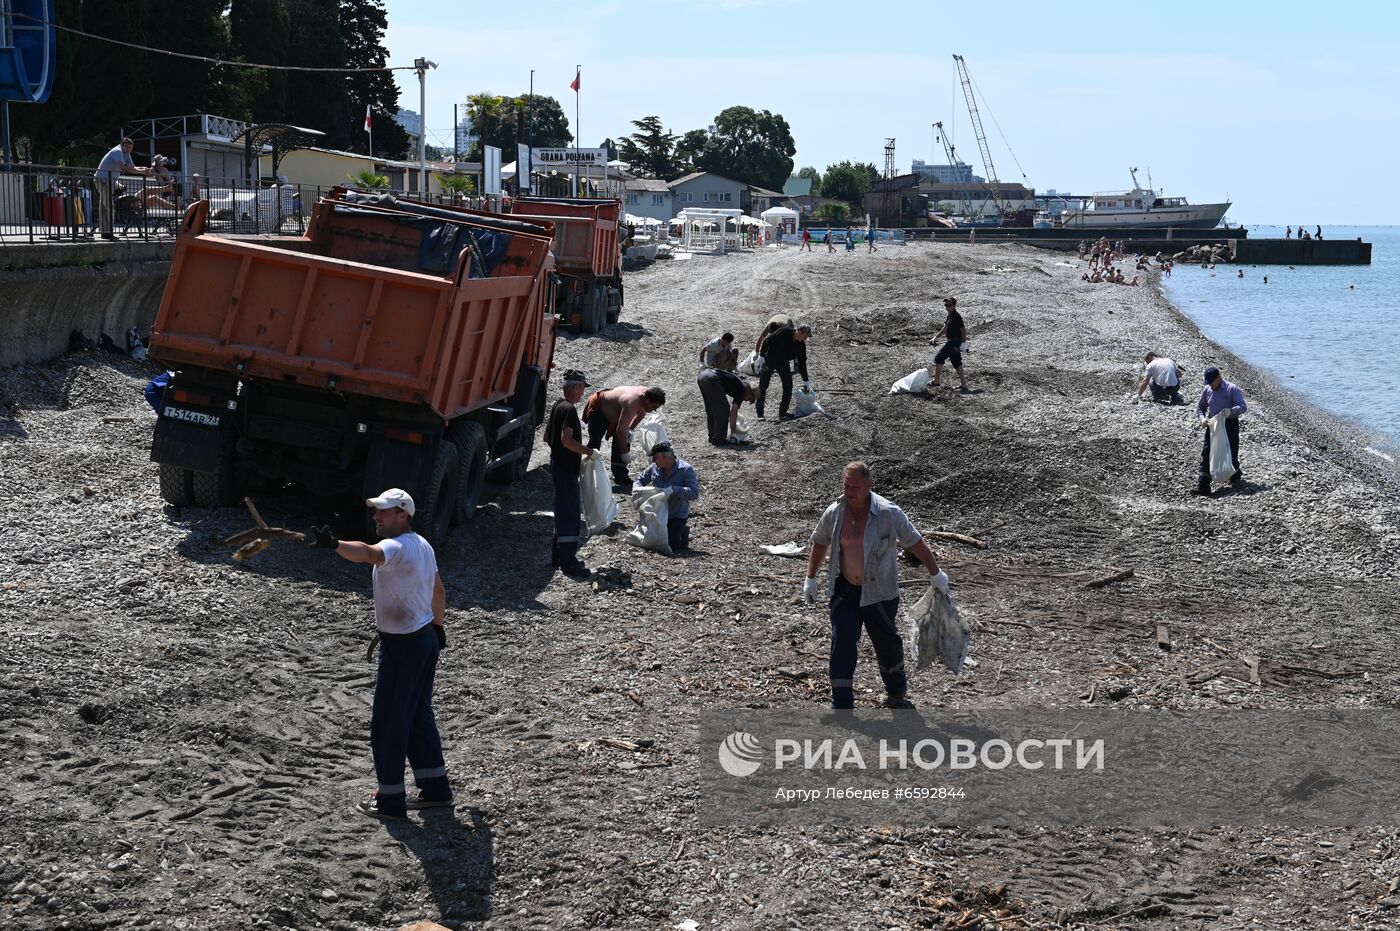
x=483, y=108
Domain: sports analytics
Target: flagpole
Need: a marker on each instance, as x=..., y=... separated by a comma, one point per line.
x=578, y=128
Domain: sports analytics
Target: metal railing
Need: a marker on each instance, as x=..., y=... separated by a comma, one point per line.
x=57, y=204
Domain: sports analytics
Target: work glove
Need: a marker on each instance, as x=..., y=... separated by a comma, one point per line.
x=321, y=538
x=759, y=363
x=1236, y=411
x=1201, y=420
x=441, y=632
x=807, y=386
x=940, y=581
x=809, y=591
x=625, y=457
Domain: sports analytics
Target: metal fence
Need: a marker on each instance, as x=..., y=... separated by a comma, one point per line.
x=53, y=204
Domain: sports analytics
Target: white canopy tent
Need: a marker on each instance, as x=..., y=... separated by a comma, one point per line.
x=784, y=219
x=705, y=230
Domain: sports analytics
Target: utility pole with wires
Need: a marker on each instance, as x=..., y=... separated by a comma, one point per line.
x=421, y=65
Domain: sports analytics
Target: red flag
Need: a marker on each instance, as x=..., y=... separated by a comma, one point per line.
x=367, y=119
x=574, y=86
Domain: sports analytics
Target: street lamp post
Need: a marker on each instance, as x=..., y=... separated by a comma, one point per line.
x=421, y=65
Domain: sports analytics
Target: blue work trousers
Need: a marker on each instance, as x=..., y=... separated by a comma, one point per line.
x=402, y=723
x=568, y=509
x=878, y=619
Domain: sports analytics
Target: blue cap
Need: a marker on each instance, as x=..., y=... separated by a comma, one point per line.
x=1212, y=374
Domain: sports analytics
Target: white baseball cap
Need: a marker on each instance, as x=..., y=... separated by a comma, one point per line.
x=393, y=498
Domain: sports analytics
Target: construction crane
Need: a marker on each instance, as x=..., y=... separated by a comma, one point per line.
x=950, y=152
x=981, y=136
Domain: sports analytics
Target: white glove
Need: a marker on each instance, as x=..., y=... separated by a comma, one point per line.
x=1236, y=411
x=589, y=453
x=758, y=362
x=806, y=386
x=809, y=591
x=1201, y=420
x=626, y=457
x=940, y=581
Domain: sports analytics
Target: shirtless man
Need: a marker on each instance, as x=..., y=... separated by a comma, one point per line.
x=865, y=533
x=613, y=412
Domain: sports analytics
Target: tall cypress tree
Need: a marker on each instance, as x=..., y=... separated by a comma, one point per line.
x=317, y=100
x=261, y=32
x=362, y=27
x=183, y=85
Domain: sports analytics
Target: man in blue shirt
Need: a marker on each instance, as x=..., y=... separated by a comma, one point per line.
x=116, y=161
x=1219, y=395
x=666, y=471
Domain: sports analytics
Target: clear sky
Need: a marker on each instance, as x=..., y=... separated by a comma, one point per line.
x=1286, y=108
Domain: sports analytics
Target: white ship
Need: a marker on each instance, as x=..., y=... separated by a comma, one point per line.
x=1143, y=207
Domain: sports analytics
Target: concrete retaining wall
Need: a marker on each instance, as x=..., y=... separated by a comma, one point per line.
x=42, y=303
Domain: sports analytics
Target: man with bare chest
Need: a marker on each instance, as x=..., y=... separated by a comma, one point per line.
x=865, y=533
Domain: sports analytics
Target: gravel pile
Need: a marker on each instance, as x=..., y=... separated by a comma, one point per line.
x=185, y=735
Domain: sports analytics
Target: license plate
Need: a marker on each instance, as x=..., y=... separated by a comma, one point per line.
x=199, y=417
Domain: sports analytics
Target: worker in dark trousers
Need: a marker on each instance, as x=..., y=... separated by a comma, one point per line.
x=613, y=412
x=723, y=393
x=780, y=350
x=410, y=606
x=1219, y=395
x=564, y=434
x=864, y=534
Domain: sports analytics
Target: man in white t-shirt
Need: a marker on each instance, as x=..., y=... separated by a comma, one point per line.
x=409, y=609
x=1163, y=377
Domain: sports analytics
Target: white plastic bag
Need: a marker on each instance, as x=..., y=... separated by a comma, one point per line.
x=804, y=401
x=648, y=433
x=653, y=513
x=1222, y=466
x=595, y=492
x=937, y=632
x=741, y=429
x=750, y=365
x=913, y=383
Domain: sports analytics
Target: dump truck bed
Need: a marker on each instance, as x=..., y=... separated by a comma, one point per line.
x=374, y=300
x=585, y=231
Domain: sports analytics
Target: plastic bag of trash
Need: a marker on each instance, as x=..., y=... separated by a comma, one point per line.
x=1222, y=466
x=913, y=383
x=595, y=491
x=741, y=429
x=791, y=550
x=750, y=365
x=936, y=632
x=653, y=513
x=804, y=402
x=649, y=432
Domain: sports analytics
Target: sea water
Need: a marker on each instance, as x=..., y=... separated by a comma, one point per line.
x=1330, y=332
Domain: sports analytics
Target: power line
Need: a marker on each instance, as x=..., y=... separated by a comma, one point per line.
x=212, y=61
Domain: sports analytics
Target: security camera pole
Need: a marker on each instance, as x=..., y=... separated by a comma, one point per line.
x=421, y=65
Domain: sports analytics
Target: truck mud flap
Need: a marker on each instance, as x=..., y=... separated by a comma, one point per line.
x=188, y=445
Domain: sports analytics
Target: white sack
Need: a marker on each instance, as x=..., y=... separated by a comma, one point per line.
x=937, y=632
x=653, y=512
x=794, y=550
x=804, y=401
x=648, y=433
x=913, y=383
x=595, y=492
x=1222, y=466
x=750, y=365
x=741, y=429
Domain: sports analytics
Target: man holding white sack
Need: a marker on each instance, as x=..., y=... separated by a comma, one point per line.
x=678, y=477
x=1219, y=395
x=564, y=434
x=865, y=533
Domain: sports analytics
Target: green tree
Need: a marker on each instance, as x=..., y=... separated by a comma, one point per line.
x=318, y=100
x=261, y=32
x=610, y=147
x=184, y=85
x=651, y=150
x=367, y=180
x=690, y=150
x=753, y=146
x=833, y=211
x=848, y=181
x=46, y=133
x=807, y=171
x=362, y=27
x=510, y=122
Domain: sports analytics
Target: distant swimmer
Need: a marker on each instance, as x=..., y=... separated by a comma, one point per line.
x=1266, y=279
x=1240, y=274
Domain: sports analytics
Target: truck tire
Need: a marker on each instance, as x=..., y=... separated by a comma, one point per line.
x=218, y=488
x=433, y=518
x=470, y=441
x=524, y=436
x=175, y=485
x=600, y=306
x=591, y=314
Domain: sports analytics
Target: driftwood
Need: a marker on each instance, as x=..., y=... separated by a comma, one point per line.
x=956, y=538
x=1110, y=579
x=253, y=541
x=1164, y=639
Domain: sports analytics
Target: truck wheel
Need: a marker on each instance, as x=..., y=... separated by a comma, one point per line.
x=525, y=436
x=590, y=314
x=220, y=487
x=175, y=485
x=433, y=518
x=614, y=305
x=470, y=441
x=601, y=310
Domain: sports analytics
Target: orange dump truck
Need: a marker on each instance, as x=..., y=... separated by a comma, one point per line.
x=586, y=256
x=393, y=345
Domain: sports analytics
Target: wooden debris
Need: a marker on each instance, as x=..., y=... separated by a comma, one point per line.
x=1110, y=579
x=619, y=743
x=637, y=699
x=1164, y=639
x=1253, y=663
x=257, y=518
x=956, y=538
x=118, y=419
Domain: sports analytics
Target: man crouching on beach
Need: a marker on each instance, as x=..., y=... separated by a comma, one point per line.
x=865, y=533
x=409, y=606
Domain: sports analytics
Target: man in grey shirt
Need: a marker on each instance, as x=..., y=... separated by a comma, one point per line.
x=116, y=161
x=865, y=533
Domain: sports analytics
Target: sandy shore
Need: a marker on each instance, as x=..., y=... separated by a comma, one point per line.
x=185, y=735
